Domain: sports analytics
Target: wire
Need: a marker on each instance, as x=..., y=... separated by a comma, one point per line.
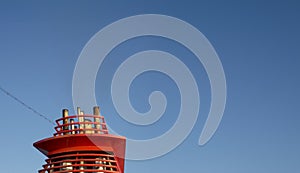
x=26, y=106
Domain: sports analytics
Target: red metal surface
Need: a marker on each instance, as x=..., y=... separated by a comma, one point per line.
x=82, y=147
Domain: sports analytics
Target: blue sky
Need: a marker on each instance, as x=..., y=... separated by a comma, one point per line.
x=258, y=45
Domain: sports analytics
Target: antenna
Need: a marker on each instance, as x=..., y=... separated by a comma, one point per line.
x=25, y=105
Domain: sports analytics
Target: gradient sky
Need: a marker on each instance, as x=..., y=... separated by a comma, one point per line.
x=258, y=43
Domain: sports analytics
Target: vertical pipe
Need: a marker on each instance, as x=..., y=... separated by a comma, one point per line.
x=96, y=111
x=78, y=111
x=65, y=120
x=80, y=119
x=83, y=121
x=72, y=126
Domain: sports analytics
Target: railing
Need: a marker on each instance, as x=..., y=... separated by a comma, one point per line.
x=82, y=162
x=81, y=124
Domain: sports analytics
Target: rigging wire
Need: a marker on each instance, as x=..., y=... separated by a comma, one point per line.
x=26, y=105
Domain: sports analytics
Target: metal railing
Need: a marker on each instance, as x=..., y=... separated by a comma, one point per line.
x=81, y=123
x=82, y=162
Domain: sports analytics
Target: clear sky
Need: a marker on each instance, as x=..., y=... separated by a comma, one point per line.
x=258, y=45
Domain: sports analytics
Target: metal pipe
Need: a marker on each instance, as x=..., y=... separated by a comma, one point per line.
x=72, y=126
x=65, y=113
x=80, y=119
x=96, y=111
x=78, y=111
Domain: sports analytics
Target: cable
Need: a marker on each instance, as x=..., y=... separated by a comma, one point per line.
x=26, y=106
